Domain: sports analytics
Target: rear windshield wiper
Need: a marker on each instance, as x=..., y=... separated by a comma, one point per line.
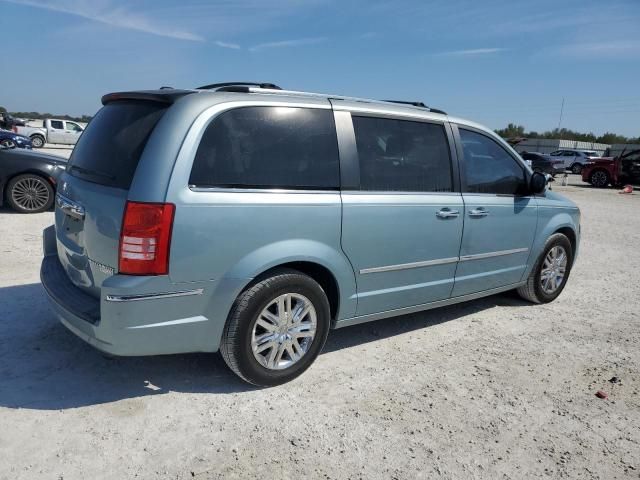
x=87, y=171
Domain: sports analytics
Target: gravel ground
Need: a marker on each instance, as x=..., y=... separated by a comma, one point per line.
x=494, y=388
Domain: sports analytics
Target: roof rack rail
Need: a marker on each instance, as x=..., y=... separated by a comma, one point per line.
x=417, y=104
x=238, y=86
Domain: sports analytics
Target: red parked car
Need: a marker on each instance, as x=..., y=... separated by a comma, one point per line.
x=623, y=169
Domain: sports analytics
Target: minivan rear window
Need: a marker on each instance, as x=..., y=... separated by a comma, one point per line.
x=109, y=150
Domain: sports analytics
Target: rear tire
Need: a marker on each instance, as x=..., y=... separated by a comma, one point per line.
x=254, y=323
x=537, y=289
x=599, y=178
x=37, y=141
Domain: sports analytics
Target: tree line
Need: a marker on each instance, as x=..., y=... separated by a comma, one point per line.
x=513, y=131
x=42, y=116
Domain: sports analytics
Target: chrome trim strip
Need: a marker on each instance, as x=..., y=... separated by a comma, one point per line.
x=195, y=188
x=69, y=207
x=480, y=256
x=153, y=296
x=180, y=321
x=405, y=266
x=442, y=261
x=424, y=306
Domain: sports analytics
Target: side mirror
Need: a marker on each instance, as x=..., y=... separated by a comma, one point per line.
x=538, y=182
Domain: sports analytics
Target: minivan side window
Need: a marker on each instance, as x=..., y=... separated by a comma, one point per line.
x=269, y=147
x=489, y=168
x=400, y=155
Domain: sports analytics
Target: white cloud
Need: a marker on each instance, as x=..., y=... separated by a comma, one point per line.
x=222, y=44
x=109, y=15
x=471, y=52
x=288, y=43
x=605, y=49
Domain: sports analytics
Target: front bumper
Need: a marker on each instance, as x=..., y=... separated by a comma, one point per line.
x=134, y=315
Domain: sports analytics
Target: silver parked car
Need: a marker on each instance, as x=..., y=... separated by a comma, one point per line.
x=252, y=220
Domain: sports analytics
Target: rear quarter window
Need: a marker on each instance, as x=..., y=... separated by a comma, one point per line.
x=110, y=148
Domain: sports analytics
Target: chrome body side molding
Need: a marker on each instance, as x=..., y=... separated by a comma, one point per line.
x=442, y=261
x=153, y=296
x=479, y=256
x=404, y=266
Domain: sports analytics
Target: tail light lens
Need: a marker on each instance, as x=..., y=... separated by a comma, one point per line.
x=145, y=238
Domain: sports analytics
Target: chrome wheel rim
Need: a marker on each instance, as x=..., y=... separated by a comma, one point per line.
x=599, y=178
x=30, y=193
x=7, y=143
x=284, y=331
x=37, y=142
x=554, y=269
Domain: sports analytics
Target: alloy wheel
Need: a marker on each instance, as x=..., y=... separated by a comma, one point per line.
x=30, y=193
x=553, y=270
x=284, y=331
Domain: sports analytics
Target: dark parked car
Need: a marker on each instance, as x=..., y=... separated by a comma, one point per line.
x=7, y=121
x=625, y=168
x=11, y=139
x=543, y=163
x=28, y=179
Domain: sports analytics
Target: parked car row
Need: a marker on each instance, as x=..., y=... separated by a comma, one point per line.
x=52, y=131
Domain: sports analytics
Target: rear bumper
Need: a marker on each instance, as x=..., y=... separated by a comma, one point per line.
x=138, y=315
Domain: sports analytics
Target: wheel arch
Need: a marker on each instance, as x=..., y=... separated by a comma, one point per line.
x=321, y=274
x=551, y=221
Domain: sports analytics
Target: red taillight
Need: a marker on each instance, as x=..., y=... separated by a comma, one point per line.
x=145, y=238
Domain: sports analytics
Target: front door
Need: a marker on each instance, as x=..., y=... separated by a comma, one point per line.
x=72, y=132
x=402, y=221
x=500, y=219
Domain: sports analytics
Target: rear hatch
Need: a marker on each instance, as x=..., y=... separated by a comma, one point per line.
x=93, y=191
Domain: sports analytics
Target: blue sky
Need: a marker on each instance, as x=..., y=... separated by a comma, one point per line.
x=492, y=61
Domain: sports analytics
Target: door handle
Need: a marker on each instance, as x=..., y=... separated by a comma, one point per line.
x=447, y=213
x=478, y=212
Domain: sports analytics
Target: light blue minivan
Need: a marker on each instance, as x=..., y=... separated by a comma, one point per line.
x=252, y=220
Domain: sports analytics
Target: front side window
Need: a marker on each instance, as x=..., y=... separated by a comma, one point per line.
x=569, y=154
x=489, y=168
x=269, y=147
x=399, y=155
x=74, y=127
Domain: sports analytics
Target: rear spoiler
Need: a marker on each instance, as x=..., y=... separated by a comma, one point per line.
x=167, y=96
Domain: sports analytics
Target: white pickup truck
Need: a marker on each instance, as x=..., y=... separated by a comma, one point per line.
x=52, y=131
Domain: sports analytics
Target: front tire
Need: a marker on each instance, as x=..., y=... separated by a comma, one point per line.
x=7, y=143
x=29, y=193
x=276, y=329
x=576, y=168
x=551, y=271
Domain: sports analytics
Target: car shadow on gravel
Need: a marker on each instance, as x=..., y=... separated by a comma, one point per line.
x=43, y=366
